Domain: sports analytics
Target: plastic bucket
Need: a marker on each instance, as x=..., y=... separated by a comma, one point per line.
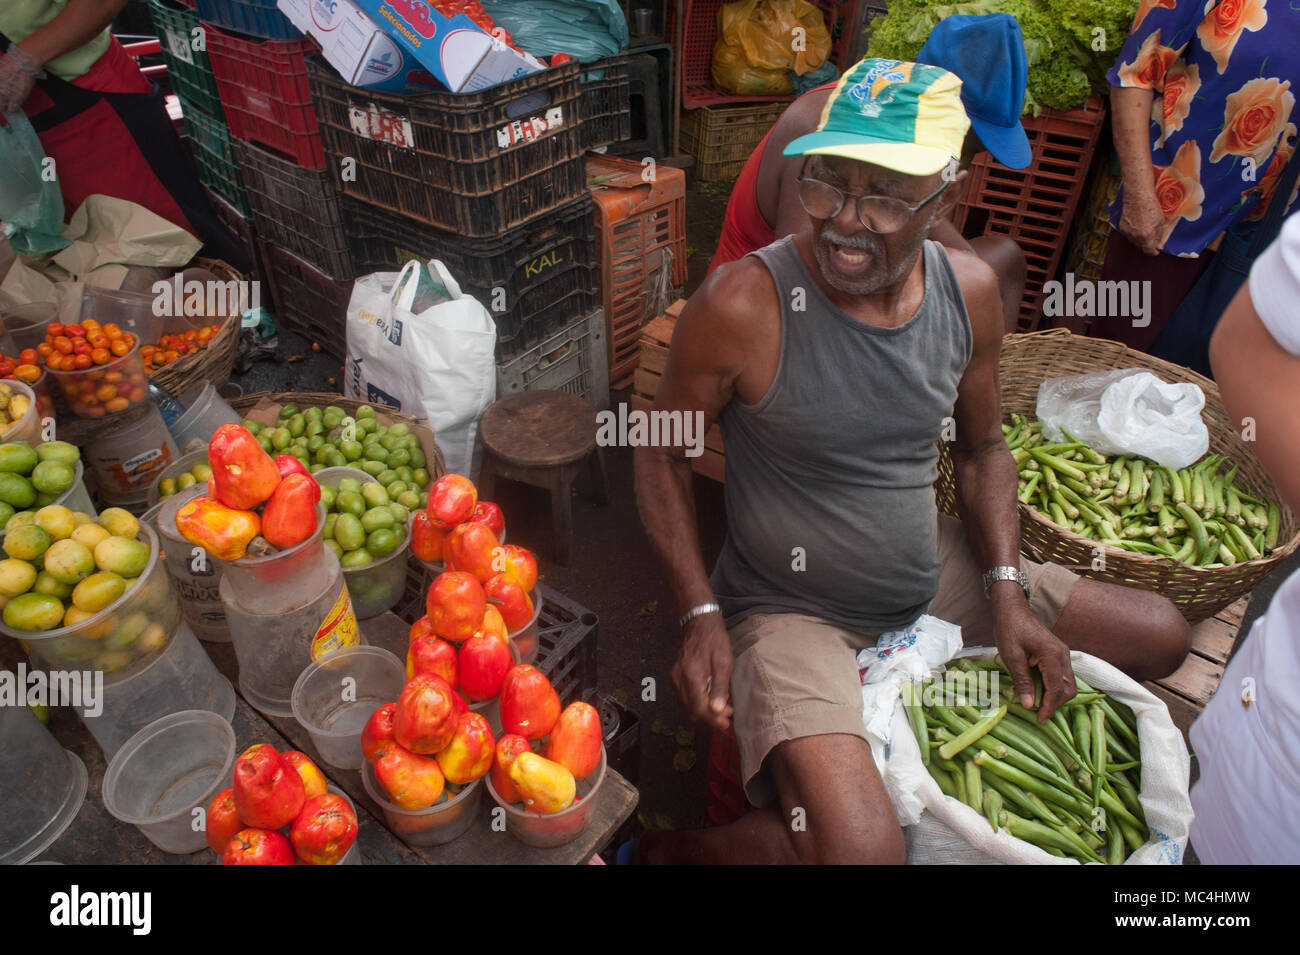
x=133, y=312
x=175, y=470
x=42, y=786
x=438, y=825
x=285, y=579
x=28, y=427
x=334, y=697
x=547, y=830
x=205, y=412
x=166, y=770
x=129, y=460
x=24, y=325
x=75, y=498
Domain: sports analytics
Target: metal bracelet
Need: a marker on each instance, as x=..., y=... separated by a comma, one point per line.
x=697, y=611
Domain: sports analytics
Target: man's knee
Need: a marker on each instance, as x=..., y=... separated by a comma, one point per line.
x=1170, y=636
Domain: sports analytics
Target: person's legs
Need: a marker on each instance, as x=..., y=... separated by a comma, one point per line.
x=804, y=755
x=1169, y=278
x=1008, y=261
x=1139, y=632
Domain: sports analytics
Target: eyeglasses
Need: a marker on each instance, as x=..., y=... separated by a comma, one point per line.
x=879, y=214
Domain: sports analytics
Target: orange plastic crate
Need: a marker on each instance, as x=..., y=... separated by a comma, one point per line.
x=641, y=241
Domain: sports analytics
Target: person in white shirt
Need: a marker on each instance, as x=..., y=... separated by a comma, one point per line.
x=1247, y=740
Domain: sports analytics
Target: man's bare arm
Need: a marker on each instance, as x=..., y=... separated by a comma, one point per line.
x=707, y=355
x=986, y=499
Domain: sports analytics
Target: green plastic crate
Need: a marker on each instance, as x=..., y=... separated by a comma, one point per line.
x=188, y=69
x=214, y=156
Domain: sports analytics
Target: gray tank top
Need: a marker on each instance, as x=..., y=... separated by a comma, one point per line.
x=830, y=476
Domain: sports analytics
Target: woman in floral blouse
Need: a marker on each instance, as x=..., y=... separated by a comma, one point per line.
x=1203, y=99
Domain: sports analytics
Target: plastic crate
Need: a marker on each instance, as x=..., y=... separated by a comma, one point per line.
x=722, y=138
x=241, y=226
x=307, y=301
x=622, y=729
x=295, y=208
x=724, y=796
x=641, y=230
x=701, y=34
x=214, y=156
x=188, y=69
x=650, y=131
x=1035, y=206
x=255, y=17
x=566, y=646
x=571, y=360
x=534, y=279
x=472, y=163
x=264, y=89
x=606, y=101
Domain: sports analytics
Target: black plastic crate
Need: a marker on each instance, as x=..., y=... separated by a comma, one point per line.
x=307, y=301
x=534, y=279
x=566, y=650
x=472, y=163
x=295, y=208
x=241, y=226
x=255, y=17
x=606, y=101
x=622, y=729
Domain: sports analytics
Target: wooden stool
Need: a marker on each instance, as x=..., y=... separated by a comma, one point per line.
x=544, y=439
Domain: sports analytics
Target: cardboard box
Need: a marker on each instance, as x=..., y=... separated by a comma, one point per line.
x=454, y=50
x=362, y=53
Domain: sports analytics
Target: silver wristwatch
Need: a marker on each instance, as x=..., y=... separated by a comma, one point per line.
x=991, y=577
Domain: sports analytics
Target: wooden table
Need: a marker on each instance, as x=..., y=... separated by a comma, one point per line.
x=96, y=838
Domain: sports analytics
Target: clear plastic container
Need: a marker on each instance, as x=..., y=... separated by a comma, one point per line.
x=42, y=786
x=205, y=412
x=28, y=427
x=525, y=640
x=548, y=830
x=133, y=312
x=284, y=611
x=76, y=497
x=195, y=576
x=335, y=712
x=104, y=390
x=445, y=820
x=175, y=470
x=164, y=771
x=24, y=325
x=129, y=460
x=378, y=585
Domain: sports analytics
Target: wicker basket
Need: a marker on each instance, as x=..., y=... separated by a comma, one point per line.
x=435, y=464
x=214, y=361
x=1198, y=592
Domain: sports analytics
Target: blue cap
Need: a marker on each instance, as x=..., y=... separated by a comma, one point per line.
x=988, y=54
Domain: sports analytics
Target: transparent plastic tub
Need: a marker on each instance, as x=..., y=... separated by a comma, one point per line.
x=285, y=579
x=104, y=390
x=548, y=830
x=133, y=312
x=205, y=412
x=76, y=497
x=129, y=460
x=164, y=771
x=335, y=712
x=195, y=576
x=24, y=325
x=378, y=585
x=174, y=470
x=444, y=821
x=42, y=786
x=28, y=427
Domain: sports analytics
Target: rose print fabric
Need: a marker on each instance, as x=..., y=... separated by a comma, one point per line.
x=1226, y=74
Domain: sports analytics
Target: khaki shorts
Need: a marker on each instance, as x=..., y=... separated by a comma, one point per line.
x=797, y=676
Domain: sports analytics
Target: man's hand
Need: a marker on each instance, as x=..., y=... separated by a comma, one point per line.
x=702, y=674
x=1142, y=220
x=19, y=71
x=1025, y=644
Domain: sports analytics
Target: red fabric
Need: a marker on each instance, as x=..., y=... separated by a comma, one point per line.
x=1169, y=278
x=743, y=228
x=94, y=151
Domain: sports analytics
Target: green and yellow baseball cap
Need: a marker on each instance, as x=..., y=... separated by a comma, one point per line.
x=907, y=117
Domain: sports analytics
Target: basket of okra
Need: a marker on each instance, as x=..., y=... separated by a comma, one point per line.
x=1201, y=536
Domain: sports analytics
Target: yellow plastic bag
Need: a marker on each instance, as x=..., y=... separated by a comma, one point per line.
x=761, y=41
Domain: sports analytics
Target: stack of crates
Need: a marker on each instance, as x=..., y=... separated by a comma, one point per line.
x=259, y=63
x=640, y=213
x=492, y=183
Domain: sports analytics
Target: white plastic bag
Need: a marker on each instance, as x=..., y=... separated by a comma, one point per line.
x=940, y=829
x=437, y=364
x=1127, y=411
